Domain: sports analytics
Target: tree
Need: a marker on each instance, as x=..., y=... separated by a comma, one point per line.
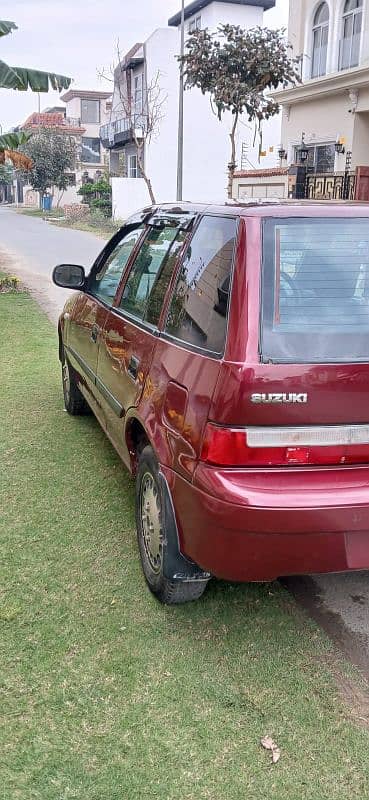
x=21, y=79
x=6, y=180
x=6, y=173
x=144, y=124
x=53, y=155
x=236, y=68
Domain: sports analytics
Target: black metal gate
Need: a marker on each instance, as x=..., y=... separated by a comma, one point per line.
x=331, y=186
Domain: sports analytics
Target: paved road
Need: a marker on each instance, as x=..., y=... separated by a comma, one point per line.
x=36, y=247
x=340, y=603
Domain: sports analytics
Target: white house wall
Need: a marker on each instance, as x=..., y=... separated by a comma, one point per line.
x=74, y=108
x=218, y=12
x=161, y=50
x=206, y=140
x=129, y=195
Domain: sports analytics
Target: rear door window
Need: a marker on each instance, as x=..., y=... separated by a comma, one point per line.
x=199, y=307
x=148, y=279
x=315, y=290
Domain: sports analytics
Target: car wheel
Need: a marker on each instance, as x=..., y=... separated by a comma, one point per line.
x=155, y=533
x=74, y=401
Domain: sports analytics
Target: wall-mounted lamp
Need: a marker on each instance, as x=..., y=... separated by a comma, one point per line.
x=303, y=150
x=339, y=147
x=282, y=153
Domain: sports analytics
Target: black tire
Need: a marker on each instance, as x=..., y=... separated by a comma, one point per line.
x=74, y=401
x=155, y=532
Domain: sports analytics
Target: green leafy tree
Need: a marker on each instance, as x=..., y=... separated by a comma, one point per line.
x=6, y=179
x=21, y=79
x=237, y=68
x=53, y=157
x=6, y=173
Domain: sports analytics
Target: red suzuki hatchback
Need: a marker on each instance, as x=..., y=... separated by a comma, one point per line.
x=225, y=352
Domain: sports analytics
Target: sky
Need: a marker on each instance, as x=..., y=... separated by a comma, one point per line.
x=79, y=38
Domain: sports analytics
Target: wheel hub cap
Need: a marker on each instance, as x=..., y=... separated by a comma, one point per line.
x=151, y=522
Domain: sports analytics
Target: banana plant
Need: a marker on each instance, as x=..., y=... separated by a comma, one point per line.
x=9, y=142
x=21, y=79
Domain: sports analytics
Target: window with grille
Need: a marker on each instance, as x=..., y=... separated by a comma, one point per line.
x=321, y=157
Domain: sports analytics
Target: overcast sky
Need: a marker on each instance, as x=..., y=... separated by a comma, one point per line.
x=78, y=38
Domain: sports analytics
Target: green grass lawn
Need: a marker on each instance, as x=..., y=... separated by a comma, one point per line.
x=105, y=694
x=38, y=212
x=105, y=228
x=95, y=223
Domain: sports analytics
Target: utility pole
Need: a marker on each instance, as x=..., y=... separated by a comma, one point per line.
x=180, y=115
x=39, y=110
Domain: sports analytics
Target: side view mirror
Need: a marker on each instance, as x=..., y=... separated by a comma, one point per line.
x=69, y=276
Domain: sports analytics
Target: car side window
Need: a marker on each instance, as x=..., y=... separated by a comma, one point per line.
x=105, y=282
x=199, y=307
x=150, y=274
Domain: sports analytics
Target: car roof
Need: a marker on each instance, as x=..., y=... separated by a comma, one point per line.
x=271, y=208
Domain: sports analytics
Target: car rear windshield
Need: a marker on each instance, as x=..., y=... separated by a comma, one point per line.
x=315, y=290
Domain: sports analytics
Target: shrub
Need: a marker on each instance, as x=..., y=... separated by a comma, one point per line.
x=9, y=283
x=97, y=195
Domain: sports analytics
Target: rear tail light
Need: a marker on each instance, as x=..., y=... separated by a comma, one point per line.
x=273, y=447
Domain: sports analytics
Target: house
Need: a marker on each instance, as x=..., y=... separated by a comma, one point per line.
x=90, y=110
x=80, y=118
x=325, y=122
x=154, y=63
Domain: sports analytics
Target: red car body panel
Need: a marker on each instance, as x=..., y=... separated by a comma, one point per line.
x=255, y=525
x=238, y=523
x=179, y=381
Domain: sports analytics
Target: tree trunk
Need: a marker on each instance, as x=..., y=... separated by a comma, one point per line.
x=61, y=192
x=232, y=163
x=145, y=176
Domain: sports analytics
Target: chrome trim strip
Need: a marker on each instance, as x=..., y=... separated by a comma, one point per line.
x=110, y=399
x=86, y=369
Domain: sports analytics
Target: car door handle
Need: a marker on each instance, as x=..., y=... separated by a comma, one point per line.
x=95, y=330
x=133, y=366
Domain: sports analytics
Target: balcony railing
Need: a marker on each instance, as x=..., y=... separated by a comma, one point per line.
x=120, y=130
x=117, y=126
x=73, y=122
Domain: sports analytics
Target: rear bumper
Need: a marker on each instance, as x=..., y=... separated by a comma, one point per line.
x=273, y=523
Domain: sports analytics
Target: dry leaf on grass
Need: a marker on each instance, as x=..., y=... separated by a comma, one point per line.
x=268, y=744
